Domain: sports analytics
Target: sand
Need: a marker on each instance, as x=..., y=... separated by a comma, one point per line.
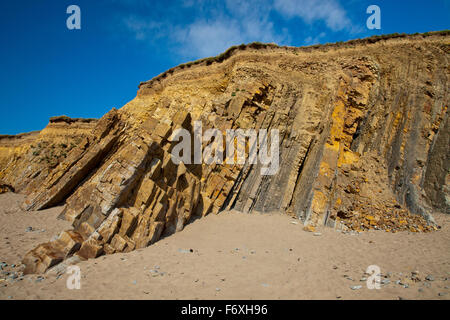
x=234, y=256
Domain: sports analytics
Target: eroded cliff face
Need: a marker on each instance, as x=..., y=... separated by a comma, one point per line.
x=364, y=138
x=26, y=160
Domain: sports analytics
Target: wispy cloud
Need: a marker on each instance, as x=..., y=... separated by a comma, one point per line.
x=143, y=29
x=204, y=27
x=315, y=40
x=328, y=11
x=240, y=22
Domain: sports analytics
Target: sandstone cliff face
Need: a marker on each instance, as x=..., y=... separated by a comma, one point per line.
x=364, y=138
x=27, y=159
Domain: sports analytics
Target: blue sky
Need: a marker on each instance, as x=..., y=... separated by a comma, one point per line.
x=47, y=70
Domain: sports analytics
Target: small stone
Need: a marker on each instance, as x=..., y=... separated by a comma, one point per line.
x=385, y=281
x=29, y=229
x=420, y=290
x=13, y=276
x=317, y=234
x=355, y=287
x=156, y=267
x=415, y=276
x=441, y=294
x=363, y=279
x=217, y=289
x=429, y=278
x=39, y=279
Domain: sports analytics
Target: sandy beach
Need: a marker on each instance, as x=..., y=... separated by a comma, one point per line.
x=233, y=256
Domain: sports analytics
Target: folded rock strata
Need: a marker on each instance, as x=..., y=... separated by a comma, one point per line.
x=364, y=136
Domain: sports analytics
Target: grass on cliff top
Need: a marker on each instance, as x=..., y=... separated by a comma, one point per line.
x=259, y=45
x=71, y=120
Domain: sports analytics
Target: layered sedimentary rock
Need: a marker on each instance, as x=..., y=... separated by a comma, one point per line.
x=363, y=144
x=27, y=159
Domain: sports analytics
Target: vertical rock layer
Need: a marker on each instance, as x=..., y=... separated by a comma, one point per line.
x=363, y=144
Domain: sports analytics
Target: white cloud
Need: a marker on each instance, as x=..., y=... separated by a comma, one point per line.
x=329, y=11
x=143, y=29
x=243, y=21
x=207, y=38
x=204, y=38
x=315, y=40
x=210, y=27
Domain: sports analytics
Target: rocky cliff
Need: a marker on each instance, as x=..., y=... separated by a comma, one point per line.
x=364, y=136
